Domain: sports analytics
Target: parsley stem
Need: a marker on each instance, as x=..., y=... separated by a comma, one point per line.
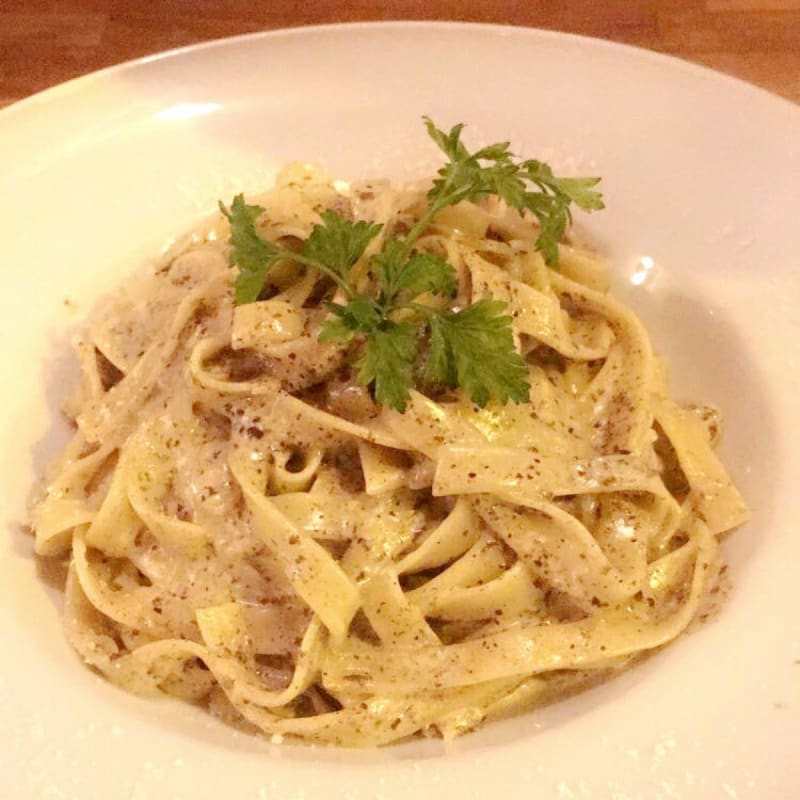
x=417, y=230
x=341, y=282
x=442, y=201
x=421, y=308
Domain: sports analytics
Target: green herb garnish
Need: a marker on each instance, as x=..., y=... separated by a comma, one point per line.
x=471, y=347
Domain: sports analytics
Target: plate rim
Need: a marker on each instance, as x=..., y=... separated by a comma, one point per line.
x=54, y=92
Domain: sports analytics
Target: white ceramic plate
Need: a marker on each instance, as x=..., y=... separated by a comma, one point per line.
x=700, y=176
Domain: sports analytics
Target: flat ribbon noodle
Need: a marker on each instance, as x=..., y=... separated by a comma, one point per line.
x=246, y=529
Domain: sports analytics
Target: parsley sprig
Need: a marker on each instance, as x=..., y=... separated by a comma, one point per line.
x=471, y=347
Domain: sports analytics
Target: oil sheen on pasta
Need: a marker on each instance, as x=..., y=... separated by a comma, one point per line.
x=247, y=530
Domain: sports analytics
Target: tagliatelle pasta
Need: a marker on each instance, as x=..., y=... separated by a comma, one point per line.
x=247, y=529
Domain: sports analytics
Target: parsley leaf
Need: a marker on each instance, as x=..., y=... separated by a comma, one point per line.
x=474, y=348
x=552, y=213
x=332, y=248
x=440, y=367
x=577, y=190
x=493, y=171
x=339, y=243
x=388, y=360
x=253, y=255
x=449, y=143
x=427, y=272
x=422, y=272
x=360, y=315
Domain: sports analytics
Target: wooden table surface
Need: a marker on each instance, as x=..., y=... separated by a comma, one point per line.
x=44, y=42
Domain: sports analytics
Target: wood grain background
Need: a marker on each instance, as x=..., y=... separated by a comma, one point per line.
x=44, y=42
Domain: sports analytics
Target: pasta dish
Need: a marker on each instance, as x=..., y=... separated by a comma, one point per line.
x=254, y=526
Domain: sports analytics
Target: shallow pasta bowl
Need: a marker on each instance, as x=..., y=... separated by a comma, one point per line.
x=699, y=174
